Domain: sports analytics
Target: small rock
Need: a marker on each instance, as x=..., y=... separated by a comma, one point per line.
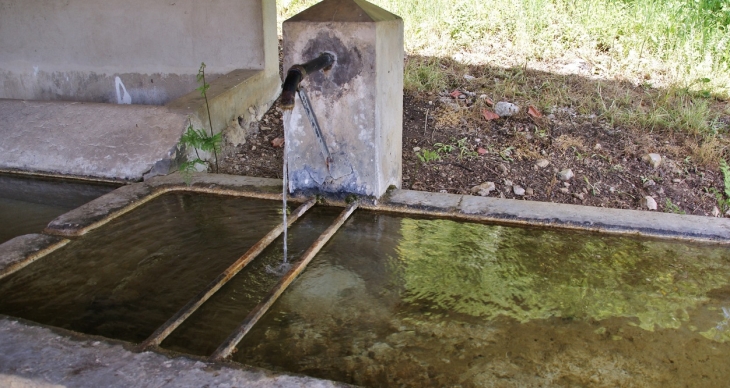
x=484, y=189
x=612, y=189
x=542, y=163
x=469, y=77
x=564, y=190
x=677, y=180
x=505, y=109
x=503, y=169
x=529, y=191
x=649, y=203
x=508, y=182
x=565, y=175
x=727, y=213
x=483, y=97
x=654, y=160
x=416, y=149
x=597, y=146
x=715, y=212
x=566, y=184
x=251, y=110
x=649, y=182
x=518, y=190
x=579, y=196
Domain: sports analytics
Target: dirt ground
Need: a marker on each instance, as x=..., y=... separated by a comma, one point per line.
x=522, y=155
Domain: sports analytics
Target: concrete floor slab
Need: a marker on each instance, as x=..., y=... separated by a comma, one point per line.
x=120, y=142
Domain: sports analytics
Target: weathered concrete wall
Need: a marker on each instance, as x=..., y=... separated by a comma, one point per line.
x=132, y=51
x=358, y=103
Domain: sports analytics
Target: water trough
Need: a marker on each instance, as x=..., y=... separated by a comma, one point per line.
x=101, y=216
x=389, y=287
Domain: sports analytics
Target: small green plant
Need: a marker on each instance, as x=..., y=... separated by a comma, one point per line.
x=723, y=201
x=465, y=150
x=426, y=156
x=443, y=148
x=506, y=153
x=671, y=207
x=725, y=169
x=594, y=189
x=197, y=138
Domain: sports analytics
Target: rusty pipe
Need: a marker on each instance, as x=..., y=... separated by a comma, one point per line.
x=296, y=74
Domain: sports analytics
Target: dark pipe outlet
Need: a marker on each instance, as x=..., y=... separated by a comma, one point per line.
x=296, y=74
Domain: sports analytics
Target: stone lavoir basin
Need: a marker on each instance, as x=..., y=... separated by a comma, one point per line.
x=399, y=296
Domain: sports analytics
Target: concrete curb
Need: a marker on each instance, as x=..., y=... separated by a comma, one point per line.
x=465, y=207
x=36, y=356
x=511, y=211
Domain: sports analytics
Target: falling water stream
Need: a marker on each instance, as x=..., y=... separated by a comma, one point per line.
x=285, y=188
x=284, y=266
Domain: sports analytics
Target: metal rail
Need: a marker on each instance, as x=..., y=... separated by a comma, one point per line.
x=225, y=349
x=176, y=320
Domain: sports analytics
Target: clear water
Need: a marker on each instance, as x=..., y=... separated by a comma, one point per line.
x=208, y=327
x=394, y=301
x=284, y=266
x=127, y=278
x=28, y=204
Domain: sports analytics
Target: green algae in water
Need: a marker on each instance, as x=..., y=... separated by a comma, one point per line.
x=415, y=302
x=536, y=274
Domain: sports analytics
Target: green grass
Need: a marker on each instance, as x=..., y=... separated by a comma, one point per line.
x=659, y=65
x=671, y=42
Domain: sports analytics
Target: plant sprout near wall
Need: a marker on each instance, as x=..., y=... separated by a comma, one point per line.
x=197, y=138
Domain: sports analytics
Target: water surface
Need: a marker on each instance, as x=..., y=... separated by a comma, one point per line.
x=396, y=302
x=28, y=204
x=128, y=277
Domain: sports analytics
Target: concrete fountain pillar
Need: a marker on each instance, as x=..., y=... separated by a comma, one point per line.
x=358, y=102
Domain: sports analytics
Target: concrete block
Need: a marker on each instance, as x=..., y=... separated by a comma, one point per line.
x=120, y=142
x=358, y=102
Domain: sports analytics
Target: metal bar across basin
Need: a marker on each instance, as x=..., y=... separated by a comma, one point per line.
x=225, y=349
x=176, y=320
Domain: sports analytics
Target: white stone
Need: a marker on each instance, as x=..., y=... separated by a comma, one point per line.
x=715, y=211
x=564, y=190
x=579, y=196
x=565, y=175
x=542, y=163
x=484, y=189
x=649, y=203
x=518, y=190
x=505, y=109
x=654, y=160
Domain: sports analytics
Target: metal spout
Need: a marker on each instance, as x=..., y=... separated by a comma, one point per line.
x=296, y=74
